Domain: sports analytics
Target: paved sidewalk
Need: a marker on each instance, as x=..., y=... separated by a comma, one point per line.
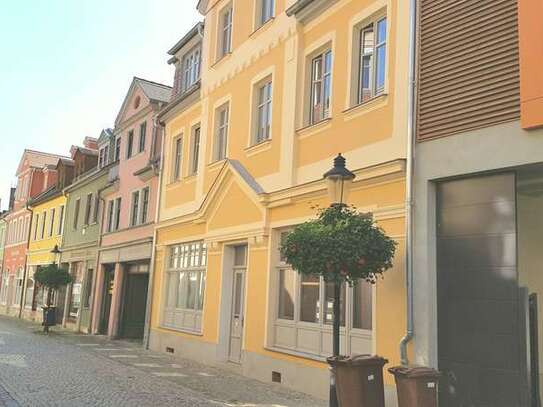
x=92, y=370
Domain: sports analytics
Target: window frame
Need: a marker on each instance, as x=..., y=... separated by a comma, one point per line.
x=177, y=162
x=220, y=140
x=370, y=25
x=319, y=82
x=77, y=208
x=118, y=148
x=62, y=210
x=52, y=213
x=259, y=105
x=130, y=144
x=191, y=65
x=134, y=208
x=225, y=31
x=190, y=259
x=88, y=209
x=43, y=224
x=194, y=159
x=145, y=195
x=142, y=138
x=265, y=12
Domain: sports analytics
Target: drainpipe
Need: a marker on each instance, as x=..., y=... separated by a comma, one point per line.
x=157, y=126
x=409, y=181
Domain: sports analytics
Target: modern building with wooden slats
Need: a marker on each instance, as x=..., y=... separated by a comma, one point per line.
x=478, y=281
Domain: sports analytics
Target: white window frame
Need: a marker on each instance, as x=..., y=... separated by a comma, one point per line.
x=88, y=209
x=19, y=286
x=145, y=196
x=263, y=110
x=77, y=209
x=226, y=25
x=356, y=340
x=220, y=142
x=103, y=157
x=195, y=146
x=135, y=208
x=184, y=259
x=61, y=219
x=43, y=224
x=52, y=213
x=190, y=68
x=265, y=11
x=364, y=94
x=319, y=94
x=142, y=140
x=177, y=163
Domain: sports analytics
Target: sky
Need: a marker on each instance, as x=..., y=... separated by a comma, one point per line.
x=65, y=68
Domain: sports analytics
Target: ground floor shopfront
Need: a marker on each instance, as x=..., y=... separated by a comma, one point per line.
x=223, y=295
x=13, y=277
x=120, y=290
x=479, y=264
x=77, y=297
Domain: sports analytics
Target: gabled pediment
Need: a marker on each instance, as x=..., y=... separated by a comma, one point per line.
x=234, y=199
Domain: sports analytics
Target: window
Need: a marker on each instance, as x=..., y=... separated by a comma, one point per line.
x=96, y=211
x=321, y=84
x=144, y=205
x=221, y=133
x=5, y=287
x=18, y=286
x=264, y=112
x=61, y=220
x=143, y=131
x=225, y=32
x=117, y=222
x=195, y=150
x=103, y=157
x=185, y=285
x=51, y=222
x=88, y=209
x=135, y=208
x=88, y=289
x=43, y=224
x=305, y=308
x=117, y=149
x=372, y=64
x=110, y=214
x=76, y=213
x=178, y=151
x=29, y=292
x=191, y=69
x=36, y=225
x=129, y=144
x=266, y=11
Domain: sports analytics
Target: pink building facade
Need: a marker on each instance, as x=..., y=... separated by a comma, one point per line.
x=129, y=210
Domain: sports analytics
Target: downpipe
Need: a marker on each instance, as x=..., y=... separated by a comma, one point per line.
x=410, y=332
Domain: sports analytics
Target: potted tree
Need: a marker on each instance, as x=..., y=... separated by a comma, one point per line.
x=51, y=277
x=343, y=246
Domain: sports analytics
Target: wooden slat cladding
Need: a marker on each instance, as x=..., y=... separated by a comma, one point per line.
x=468, y=66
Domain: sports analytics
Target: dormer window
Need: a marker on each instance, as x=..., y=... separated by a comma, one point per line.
x=190, y=68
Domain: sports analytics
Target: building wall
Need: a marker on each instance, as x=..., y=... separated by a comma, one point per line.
x=276, y=184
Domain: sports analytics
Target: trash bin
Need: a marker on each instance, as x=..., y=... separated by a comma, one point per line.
x=359, y=380
x=49, y=316
x=416, y=386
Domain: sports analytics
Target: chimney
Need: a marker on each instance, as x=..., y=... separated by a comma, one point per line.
x=12, y=198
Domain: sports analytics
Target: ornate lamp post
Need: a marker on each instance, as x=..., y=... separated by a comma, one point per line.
x=339, y=180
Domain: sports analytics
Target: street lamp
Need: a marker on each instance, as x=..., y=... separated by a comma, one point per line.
x=339, y=180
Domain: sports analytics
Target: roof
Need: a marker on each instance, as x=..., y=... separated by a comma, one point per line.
x=154, y=91
x=50, y=193
x=66, y=161
x=178, y=99
x=198, y=27
x=87, y=151
x=38, y=159
x=105, y=136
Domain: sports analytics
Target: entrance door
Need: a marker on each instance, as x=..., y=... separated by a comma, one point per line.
x=135, y=304
x=238, y=303
x=107, y=291
x=480, y=347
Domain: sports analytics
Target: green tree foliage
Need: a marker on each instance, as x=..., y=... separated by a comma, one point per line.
x=52, y=276
x=341, y=245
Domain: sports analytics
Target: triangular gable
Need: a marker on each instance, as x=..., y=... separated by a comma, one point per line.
x=105, y=136
x=144, y=92
x=234, y=192
x=36, y=159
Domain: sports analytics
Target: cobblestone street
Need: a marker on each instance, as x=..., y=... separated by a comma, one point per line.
x=67, y=369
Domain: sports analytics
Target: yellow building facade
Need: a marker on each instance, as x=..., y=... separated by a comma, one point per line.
x=281, y=88
x=45, y=234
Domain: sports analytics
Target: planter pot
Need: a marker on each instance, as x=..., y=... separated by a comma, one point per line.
x=416, y=386
x=359, y=380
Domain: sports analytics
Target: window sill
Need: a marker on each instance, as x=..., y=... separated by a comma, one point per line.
x=258, y=148
x=221, y=59
x=296, y=353
x=262, y=27
x=314, y=128
x=367, y=106
x=182, y=330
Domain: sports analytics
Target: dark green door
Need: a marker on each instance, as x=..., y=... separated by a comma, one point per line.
x=135, y=302
x=107, y=295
